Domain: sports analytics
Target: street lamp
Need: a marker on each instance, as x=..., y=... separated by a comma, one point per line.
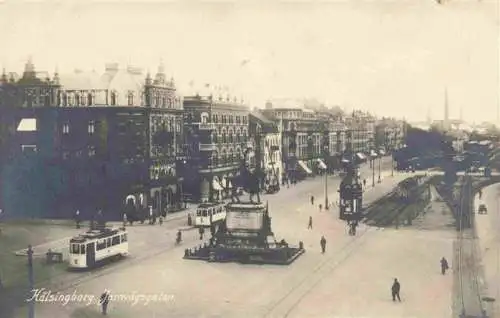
x=326, y=181
x=379, y=164
x=373, y=173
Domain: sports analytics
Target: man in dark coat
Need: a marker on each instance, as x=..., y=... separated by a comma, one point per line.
x=104, y=301
x=396, y=287
x=310, y=225
x=323, y=244
x=444, y=265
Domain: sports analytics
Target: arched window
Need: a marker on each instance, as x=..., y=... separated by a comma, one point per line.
x=223, y=157
x=224, y=136
x=130, y=99
x=231, y=136
x=230, y=158
x=214, y=138
x=77, y=99
x=65, y=99
x=238, y=135
x=90, y=99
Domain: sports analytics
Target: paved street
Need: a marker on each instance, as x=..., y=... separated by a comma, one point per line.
x=209, y=290
x=488, y=232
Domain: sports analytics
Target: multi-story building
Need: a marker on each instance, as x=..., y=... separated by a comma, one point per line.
x=102, y=142
x=303, y=137
x=216, y=136
x=389, y=135
x=266, y=135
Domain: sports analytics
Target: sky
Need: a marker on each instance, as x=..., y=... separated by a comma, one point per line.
x=389, y=57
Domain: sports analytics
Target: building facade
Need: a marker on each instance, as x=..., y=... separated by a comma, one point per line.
x=266, y=136
x=304, y=138
x=389, y=134
x=216, y=136
x=108, y=142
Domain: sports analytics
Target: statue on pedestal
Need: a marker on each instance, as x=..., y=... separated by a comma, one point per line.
x=248, y=178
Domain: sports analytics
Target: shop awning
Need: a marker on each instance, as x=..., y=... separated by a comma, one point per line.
x=321, y=164
x=216, y=185
x=361, y=156
x=303, y=165
x=373, y=153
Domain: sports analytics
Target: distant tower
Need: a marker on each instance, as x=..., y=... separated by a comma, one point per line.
x=446, y=121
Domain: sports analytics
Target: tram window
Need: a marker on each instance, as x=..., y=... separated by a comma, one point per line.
x=124, y=238
x=198, y=213
x=115, y=240
x=101, y=245
x=75, y=248
x=108, y=243
x=82, y=249
x=205, y=212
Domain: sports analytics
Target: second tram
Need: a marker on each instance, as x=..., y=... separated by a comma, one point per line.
x=89, y=249
x=210, y=213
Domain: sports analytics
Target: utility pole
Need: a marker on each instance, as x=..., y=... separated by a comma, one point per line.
x=379, y=164
x=31, y=282
x=392, y=162
x=373, y=172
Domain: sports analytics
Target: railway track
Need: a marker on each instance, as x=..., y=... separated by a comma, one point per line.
x=285, y=305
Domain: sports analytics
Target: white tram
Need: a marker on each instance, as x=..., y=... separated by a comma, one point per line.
x=90, y=248
x=210, y=213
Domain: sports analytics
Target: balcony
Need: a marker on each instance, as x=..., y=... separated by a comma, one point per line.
x=206, y=126
x=208, y=147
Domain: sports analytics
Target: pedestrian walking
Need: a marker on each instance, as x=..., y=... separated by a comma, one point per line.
x=310, y=225
x=202, y=231
x=444, y=265
x=395, y=289
x=125, y=220
x=320, y=208
x=312, y=199
x=161, y=219
x=323, y=245
x=364, y=183
x=104, y=301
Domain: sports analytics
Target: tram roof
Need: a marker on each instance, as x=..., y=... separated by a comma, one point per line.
x=246, y=206
x=209, y=204
x=96, y=234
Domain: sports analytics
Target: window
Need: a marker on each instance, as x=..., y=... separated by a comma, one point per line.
x=91, y=151
x=77, y=99
x=75, y=248
x=130, y=99
x=205, y=212
x=90, y=99
x=65, y=128
x=101, y=245
x=113, y=98
x=70, y=100
x=164, y=101
x=91, y=127
x=108, y=242
x=82, y=249
x=84, y=99
x=65, y=99
x=124, y=237
x=115, y=240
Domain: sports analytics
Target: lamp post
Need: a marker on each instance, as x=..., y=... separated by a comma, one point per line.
x=379, y=168
x=326, y=182
x=31, y=313
x=373, y=173
x=392, y=162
